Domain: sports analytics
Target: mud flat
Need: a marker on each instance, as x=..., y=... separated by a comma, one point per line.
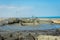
x=28, y=21
x=29, y=24
x=56, y=21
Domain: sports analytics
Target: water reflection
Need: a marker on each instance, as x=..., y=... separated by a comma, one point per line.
x=38, y=27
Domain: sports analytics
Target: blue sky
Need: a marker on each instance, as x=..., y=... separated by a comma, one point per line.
x=29, y=8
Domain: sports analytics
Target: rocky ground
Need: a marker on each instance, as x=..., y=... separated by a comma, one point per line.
x=25, y=21
x=31, y=35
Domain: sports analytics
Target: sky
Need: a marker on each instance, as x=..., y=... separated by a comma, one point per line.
x=29, y=8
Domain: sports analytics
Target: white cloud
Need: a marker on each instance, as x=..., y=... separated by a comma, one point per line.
x=14, y=10
x=4, y=6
